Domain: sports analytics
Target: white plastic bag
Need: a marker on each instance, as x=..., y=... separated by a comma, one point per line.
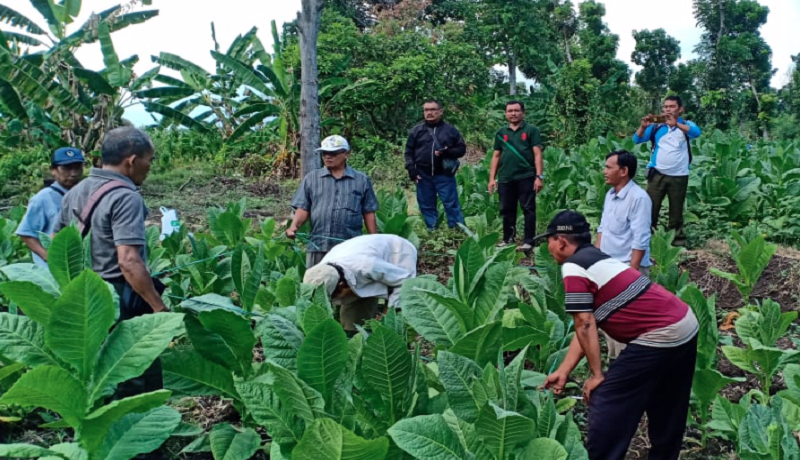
x=169, y=222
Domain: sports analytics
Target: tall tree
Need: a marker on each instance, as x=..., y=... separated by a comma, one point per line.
x=308, y=21
x=656, y=52
x=597, y=44
x=736, y=59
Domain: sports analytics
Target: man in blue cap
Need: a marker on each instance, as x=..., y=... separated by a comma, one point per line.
x=66, y=166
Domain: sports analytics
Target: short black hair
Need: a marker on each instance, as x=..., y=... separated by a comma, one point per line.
x=625, y=159
x=124, y=142
x=433, y=101
x=521, y=105
x=675, y=99
x=578, y=239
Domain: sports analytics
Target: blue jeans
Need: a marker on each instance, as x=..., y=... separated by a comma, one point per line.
x=445, y=187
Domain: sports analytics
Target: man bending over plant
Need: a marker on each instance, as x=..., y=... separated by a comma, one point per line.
x=360, y=272
x=652, y=375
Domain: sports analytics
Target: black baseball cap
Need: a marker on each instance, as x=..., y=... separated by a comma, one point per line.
x=565, y=223
x=66, y=156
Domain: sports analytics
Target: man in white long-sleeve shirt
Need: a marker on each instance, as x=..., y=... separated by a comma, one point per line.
x=360, y=271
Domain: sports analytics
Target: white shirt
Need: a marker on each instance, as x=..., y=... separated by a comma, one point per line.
x=672, y=157
x=625, y=224
x=373, y=263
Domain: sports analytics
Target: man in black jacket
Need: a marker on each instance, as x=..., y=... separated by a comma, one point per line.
x=432, y=154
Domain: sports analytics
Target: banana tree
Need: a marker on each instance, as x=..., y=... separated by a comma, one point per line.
x=43, y=84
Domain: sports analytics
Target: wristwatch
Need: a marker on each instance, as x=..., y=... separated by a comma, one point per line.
x=540, y=176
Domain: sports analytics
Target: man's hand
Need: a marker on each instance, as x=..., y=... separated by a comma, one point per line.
x=556, y=382
x=590, y=385
x=492, y=185
x=538, y=185
x=438, y=153
x=645, y=122
x=672, y=121
x=291, y=232
x=161, y=308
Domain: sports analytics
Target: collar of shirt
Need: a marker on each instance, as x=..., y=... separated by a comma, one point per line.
x=520, y=127
x=58, y=186
x=111, y=175
x=622, y=193
x=348, y=172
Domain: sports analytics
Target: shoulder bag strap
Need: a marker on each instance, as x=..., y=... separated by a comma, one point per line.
x=85, y=219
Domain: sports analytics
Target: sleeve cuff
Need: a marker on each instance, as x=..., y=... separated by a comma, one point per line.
x=130, y=242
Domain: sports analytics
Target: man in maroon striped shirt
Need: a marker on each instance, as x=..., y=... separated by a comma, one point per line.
x=653, y=375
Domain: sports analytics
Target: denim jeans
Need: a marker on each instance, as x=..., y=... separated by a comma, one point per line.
x=445, y=187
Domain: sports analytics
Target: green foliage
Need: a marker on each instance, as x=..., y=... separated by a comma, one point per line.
x=751, y=260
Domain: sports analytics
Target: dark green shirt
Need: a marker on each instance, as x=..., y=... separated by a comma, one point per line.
x=524, y=139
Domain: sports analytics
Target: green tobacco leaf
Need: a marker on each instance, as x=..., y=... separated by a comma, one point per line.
x=99, y=422
x=515, y=338
x=327, y=440
x=510, y=380
x=65, y=256
x=708, y=336
x=707, y=384
x=386, y=367
x=430, y=318
x=754, y=258
x=461, y=377
x=286, y=292
x=229, y=443
x=544, y=449
x=138, y=434
x=31, y=298
x=50, y=388
x=188, y=374
x=33, y=273
x=428, y=437
x=131, y=349
x=323, y=357
x=482, y=344
x=469, y=260
x=491, y=292
x=298, y=398
x=266, y=409
x=235, y=332
x=25, y=451
x=80, y=322
x=315, y=315
x=726, y=416
x=739, y=358
x=503, y=431
x=67, y=450
x=281, y=340
x=22, y=339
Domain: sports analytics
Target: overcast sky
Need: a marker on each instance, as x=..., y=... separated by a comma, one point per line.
x=183, y=27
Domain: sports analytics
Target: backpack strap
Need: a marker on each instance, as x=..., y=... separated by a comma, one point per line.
x=85, y=219
x=653, y=141
x=57, y=190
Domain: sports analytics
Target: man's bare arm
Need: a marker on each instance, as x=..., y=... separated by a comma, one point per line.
x=371, y=222
x=35, y=246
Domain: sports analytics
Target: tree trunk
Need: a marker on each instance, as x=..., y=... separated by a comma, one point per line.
x=567, y=48
x=512, y=75
x=308, y=22
x=764, y=127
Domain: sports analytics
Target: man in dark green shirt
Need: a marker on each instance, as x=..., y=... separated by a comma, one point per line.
x=517, y=173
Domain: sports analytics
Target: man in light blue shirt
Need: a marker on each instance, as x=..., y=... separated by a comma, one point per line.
x=66, y=166
x=624, y=231
x=668, y=170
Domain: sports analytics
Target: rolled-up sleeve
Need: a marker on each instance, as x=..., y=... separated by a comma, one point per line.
x=645, y=137
x=640, y=222
x=694, y=130
x=370, y=203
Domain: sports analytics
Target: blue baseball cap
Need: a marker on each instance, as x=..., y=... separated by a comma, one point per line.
x=66, y=156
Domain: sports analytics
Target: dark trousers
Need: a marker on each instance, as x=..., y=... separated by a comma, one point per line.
x=511, y=193
x=655, y=381
x=674, y=188
x=445, y=187
x=132, y=305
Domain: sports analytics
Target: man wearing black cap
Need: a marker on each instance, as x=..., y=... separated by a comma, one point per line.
x=653, y=375
x=66, y=166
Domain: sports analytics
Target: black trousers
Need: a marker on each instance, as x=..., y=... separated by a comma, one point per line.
x=132, y=305
x=655, y=381
x=674, y=188
x=511, y=193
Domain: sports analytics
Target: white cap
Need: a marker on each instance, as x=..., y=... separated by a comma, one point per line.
x=334, y=143
x=322, y=275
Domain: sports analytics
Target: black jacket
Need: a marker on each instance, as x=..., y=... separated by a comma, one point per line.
x=420, y=147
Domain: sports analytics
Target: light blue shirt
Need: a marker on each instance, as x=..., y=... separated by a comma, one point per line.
x=625, y=224
x=671, y=155
x=42, y=214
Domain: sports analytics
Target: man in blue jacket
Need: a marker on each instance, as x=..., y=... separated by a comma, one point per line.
x=668, y=170
x=432, y=152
